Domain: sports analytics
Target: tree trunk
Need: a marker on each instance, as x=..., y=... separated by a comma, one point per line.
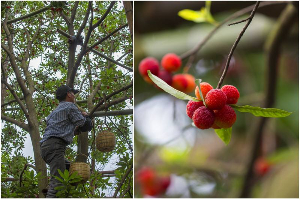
x=35, y=139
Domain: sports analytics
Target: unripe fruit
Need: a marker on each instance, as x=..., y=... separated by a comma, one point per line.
x=171, y=62
x=192, y=106
x=166, y=76
x=191, y=83
x=232, y=94
x=203, y=118
x=225, y=117
x=149, y=63
x=205, y=88
x=215, y=99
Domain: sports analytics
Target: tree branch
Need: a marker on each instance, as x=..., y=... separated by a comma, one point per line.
x=113, y=113
x=17, y=98
x=110, y=59
x=29, y=15
x=63, y=33
x=9, y=179
x=98, y=53
x=236, y=43
x=233, y=16
x=109, y=96
x=13, y=121
x=83, y=22
x=104, y=16
x=111, y=103
x=74, y=11
x=277, y=36
x=21, y=175
x=105, y=38
x=123, y=180
x=13, y=60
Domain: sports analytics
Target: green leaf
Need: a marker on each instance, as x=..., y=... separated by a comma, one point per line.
x=262, y=112
x=58, y=178
x=172, y=91
x=224, y=134
x=198, y=81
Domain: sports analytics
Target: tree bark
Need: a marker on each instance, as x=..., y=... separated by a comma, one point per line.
x=129, y=15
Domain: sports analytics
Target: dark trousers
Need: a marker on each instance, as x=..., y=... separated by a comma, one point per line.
x=53, y=153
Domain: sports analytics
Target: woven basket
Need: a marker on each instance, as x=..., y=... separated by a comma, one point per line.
x=105, y=141
x=82, y=168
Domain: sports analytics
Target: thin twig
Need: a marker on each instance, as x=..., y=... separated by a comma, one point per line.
x=29, y=15
x=21, y=175
x=123, y=180
x=236, y=43
x=109, y=96
x=241, y=21
x=233, y=16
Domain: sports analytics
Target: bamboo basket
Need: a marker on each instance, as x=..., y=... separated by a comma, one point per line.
x=105, y=141
x=83, y=170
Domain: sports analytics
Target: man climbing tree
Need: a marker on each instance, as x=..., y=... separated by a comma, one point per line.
x=59, y=133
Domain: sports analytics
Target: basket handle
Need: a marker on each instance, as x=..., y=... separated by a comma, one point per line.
x=87, y=158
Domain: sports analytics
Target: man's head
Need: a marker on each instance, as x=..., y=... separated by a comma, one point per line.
x=65, y=93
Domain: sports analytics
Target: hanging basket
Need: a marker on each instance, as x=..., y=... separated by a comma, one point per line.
x=82, y=168
x=105, y=141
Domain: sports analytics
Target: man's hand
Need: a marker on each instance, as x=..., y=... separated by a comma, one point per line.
x=84, y=113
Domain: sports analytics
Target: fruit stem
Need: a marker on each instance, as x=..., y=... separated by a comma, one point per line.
x=249, y=19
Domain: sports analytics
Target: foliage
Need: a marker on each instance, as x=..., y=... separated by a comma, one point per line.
x=67, y=189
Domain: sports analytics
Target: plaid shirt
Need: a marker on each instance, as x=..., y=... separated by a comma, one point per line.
x=62, y=121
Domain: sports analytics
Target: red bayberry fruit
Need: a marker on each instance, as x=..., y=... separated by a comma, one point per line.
x=165, y=182
x=149, y=63
x=179, y=82
x=192, y=106
x=166, y=76
x=232, y=94
x=183, y=82
x=171, y=62
x=205, y=88
x=215, y=99
x=203, y=118
x=146, y=176
x=225, y=117
x=191, y=83
x=261, y=166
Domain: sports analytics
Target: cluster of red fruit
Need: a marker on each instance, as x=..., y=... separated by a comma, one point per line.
x=217, y=113
x=170, y=63
x=152, y=184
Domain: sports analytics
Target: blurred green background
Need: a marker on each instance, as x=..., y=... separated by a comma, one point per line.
x=198, y=162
